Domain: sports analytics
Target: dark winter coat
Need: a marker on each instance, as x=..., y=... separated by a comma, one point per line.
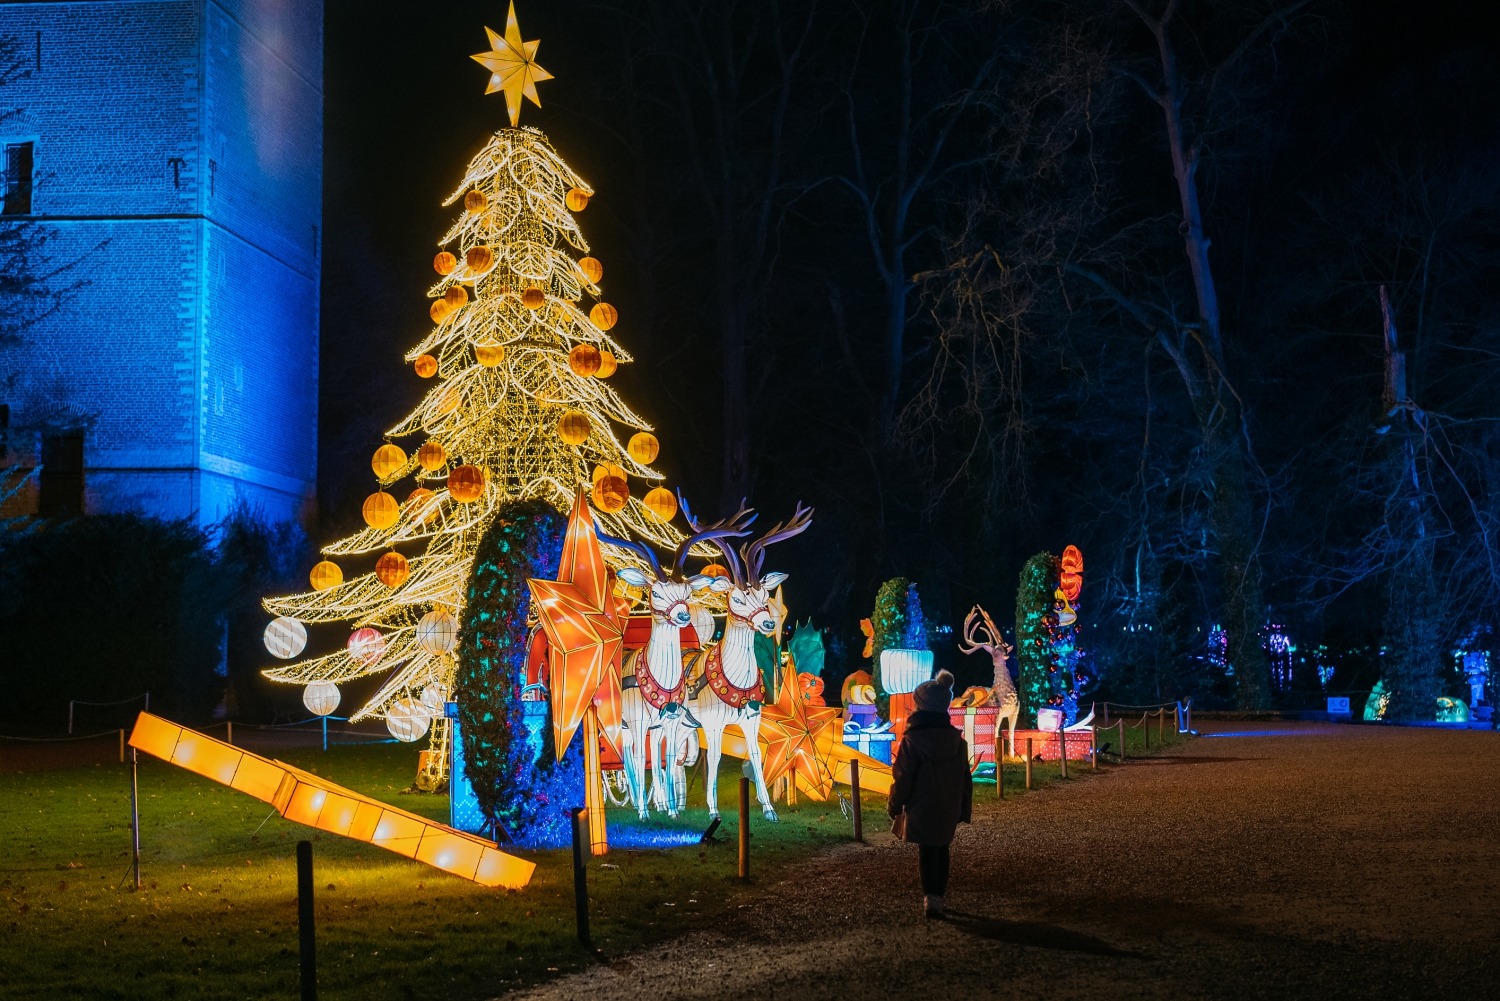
x=930, y=779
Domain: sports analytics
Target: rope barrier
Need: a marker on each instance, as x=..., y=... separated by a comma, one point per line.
x=120, y=702
x=53, y=740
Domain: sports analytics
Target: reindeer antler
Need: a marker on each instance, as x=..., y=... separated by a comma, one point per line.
x=733, y=527
x=639, y=548
x=754, y=554
x=972, y=641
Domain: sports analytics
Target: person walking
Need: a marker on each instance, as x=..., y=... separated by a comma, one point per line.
x=931, y=792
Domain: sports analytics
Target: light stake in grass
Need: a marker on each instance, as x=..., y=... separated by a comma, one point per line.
x=859, y=817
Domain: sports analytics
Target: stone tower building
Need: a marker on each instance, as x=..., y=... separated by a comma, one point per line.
x=172, y=151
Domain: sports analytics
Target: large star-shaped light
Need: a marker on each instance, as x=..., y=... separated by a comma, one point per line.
x=513, y=68
x=799, y=738
x=583, y=633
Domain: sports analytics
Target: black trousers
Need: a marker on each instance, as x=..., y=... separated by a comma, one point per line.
x=932, y=863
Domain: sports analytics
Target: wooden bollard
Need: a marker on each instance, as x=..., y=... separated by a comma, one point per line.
x=306, y=938
x=999, y=763
x=1146, y=731
x=1094, y=747
x=579, y=815
x=1106, y=715
x=122, y=747
x=744, y=828
x=1028, y=764
x=1062, y=748
x=229, y=734
x=859, y=814
x=1120, y=725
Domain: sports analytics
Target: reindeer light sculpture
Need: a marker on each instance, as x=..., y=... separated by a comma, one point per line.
x=652, y=703
x=980, y=634
x=727, y=686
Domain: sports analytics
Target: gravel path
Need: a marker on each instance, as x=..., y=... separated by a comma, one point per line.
x=1274, y=861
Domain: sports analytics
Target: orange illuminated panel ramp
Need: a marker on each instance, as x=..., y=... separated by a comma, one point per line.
x=316, y=802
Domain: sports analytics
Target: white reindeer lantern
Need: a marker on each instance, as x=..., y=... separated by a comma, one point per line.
x=727, y=684
x=980, y=634
x=652, y=701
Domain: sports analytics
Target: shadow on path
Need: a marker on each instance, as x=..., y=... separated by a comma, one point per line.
x=1035, y=934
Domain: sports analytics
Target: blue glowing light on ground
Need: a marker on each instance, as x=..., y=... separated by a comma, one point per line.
x=621, y=836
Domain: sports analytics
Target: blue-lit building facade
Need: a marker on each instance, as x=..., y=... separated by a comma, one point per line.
x=173, y=152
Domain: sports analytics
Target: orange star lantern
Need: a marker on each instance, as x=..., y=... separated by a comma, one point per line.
x=798, y=738
x=577, y=614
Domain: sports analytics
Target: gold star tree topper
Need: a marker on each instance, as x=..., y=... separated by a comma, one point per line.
x=513, y=67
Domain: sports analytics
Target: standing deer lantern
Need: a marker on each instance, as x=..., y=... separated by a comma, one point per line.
x=980, y=634
x=652, y=698
x=727, y=689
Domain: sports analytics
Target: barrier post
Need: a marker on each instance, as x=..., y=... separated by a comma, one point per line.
x=1094, y=748
x=859, y=814
x=744, y=828
x=122, y=747
x=1120, y=724
x=1146, y=729
x=581, y=873
x=325, y=733
x=999, y=762
x=135, y=820
x=305, y=936
x=229, y=737
x=1028, y=764
x=1062, y=748
x=1161, y=727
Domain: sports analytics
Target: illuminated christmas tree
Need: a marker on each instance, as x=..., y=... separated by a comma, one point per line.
x=521, y=408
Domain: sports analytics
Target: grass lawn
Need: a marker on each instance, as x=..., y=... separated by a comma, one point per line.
x=217, y=915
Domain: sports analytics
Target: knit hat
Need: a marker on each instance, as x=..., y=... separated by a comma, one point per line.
x=934, y=695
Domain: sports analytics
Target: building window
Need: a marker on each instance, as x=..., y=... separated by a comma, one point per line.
x=18, y=169
x=61, y=492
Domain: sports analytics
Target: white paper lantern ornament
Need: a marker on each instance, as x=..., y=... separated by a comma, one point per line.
x=321, y=697
x=285, y=638
x=437, y=632
x=407, y=720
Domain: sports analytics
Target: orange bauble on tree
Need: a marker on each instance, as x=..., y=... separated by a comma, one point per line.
x=479, y=259
x=577, y=199
x=432, y=456
x=607, y=365
x=573, y=427
x=661, y=503
x=607, y=469
x=604, y=315
x=392, y=569
x=426, y=366
x=325, y=575
x=489, y=355
x=533, y=298
x=584, y=360
x=380, y=510
x=643, y=447
x=388, y=459
x=591, y=268
x=466, y=483
x=610, y=494
x=444, y=263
